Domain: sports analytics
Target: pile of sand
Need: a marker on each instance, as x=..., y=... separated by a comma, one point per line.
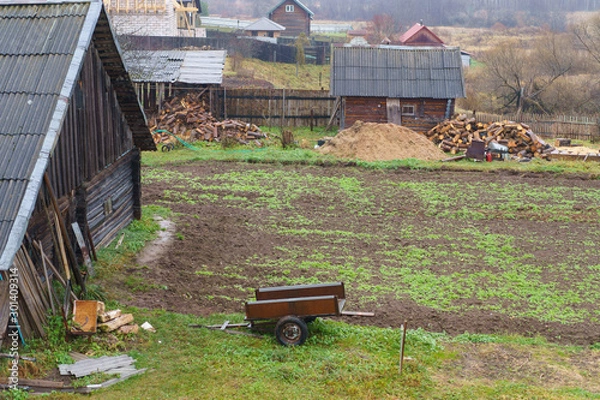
x=381, y=142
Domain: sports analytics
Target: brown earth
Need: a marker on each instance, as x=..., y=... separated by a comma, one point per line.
x=369, y=141
x=218, y=254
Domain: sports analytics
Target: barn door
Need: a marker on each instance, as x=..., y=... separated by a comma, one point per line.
x=394, y=113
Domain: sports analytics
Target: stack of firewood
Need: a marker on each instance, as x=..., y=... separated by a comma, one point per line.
x=115, y=320
x=187, y=117
x=457, y=135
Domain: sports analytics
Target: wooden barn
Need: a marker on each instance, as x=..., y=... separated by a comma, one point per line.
x=410, y=86
x=71, y=131
x=294, y=16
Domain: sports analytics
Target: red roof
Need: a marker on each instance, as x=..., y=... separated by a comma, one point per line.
x=416, y=30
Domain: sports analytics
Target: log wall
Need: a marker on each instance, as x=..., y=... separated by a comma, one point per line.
x=428, y=112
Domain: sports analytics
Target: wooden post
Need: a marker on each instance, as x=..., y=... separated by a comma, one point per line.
x=312, y=116
x=403, y=327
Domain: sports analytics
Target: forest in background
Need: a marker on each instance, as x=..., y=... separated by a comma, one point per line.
x=468, y=13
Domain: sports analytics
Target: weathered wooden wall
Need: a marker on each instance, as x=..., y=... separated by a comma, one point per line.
x=365, y=109
x=428, y=112
x=295, y=23
x=273, y=107
x=93, y=163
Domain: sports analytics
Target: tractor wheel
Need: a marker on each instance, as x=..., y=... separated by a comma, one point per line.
x=291, y=331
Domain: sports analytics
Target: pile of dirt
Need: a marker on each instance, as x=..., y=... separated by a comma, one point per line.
x=381, y=142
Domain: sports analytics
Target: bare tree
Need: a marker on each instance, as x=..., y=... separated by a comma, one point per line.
x=519, y=76
x=380, y=27
x=588, y=35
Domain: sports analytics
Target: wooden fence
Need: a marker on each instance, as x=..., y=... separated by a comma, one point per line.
x=273, y=107
x=552, y=126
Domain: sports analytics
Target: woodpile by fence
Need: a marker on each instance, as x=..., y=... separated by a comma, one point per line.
x=550, y=126
x=188, y=117
x=458, y=135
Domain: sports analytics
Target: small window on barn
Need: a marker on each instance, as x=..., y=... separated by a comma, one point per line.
x=289, y=8
x=408, y=109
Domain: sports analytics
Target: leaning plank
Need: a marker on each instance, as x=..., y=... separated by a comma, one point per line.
x=115, y=323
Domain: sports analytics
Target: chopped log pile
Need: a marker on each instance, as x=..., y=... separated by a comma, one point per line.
x=458, y=134
x=188, y=118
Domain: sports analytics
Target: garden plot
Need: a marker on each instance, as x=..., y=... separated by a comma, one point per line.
x=494, y=252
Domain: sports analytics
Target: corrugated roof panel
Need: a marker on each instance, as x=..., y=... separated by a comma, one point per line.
x=11, y=192
x=53, y=35
x=33, y=74
x=407, y=72
x=18, y=155
x=44, y=10
x=25, y=113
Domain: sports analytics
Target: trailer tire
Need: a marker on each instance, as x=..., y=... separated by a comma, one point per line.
x=291, y=331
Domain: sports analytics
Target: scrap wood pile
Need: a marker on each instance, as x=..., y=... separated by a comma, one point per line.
x=188, y=118
x=458, y=134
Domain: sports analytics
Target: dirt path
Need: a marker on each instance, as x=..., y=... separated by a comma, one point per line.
x=234, y=233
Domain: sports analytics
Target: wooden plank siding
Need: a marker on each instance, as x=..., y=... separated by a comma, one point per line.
x=295, y=22
x=94, y=161
x=272, y=107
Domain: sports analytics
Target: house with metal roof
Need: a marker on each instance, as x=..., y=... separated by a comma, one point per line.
x=293, y=15
x=412, y=86
x=420, y=35
x=158, y=74
x=71, y=131
x=264, y=27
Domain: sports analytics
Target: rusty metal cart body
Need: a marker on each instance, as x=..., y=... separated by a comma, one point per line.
x=295, y=306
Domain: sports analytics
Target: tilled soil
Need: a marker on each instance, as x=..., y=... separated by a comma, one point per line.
x=230, y=240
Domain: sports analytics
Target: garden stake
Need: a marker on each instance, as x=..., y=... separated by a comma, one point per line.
x=403, y=327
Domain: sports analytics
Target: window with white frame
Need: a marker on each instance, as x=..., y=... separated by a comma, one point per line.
x=408, y=109
x=289, y=8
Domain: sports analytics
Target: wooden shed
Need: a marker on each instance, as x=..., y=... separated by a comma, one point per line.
x=71, y=131
x=411, y=86
x=294, y=16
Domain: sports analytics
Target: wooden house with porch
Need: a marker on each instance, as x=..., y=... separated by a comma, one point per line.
x=71, y=132
x=410, y=86
x=294, y=16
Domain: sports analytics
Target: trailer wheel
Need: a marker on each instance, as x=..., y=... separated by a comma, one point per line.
x=291, y=331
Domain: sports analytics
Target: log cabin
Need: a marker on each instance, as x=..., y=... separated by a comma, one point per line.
x=416, y=87
x=294, y=16
x=71, y=132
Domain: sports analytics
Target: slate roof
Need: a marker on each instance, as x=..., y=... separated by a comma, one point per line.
x=264, y=24
x=397, y=72
x=187, y=66
x=302, y=6
x=42, y=48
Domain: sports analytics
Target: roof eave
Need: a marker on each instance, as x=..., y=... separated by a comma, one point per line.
x=17, y=232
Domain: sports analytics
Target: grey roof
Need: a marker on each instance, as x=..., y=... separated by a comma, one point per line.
x=42, y=47
x=264, y=24
x=187, y=66
x=302, y=6
x=397, y=72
